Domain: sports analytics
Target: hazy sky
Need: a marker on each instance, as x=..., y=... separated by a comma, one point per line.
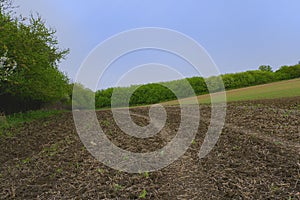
x=238, y=35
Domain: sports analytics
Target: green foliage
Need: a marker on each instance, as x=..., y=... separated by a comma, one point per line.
x=150, y=94
x=146, y=174
x=82, y=98
x=215, y=84
x=30, y=54
x=143, y=194
x=26, y=160
x=198, y=84
x=100, y=170
x=288, y=72
x=159, y=92
x=248, y=78
x=118, y=187
x=20, y=118
x=102, y=98
x=266, y=68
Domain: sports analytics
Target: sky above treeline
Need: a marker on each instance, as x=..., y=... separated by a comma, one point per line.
x=238, y=35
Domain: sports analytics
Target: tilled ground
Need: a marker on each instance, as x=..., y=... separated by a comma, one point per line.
x=257, y=157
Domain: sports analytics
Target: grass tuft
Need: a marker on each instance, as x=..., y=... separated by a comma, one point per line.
x=17, y=119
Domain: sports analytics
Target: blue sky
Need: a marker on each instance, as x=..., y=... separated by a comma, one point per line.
x=238, y=35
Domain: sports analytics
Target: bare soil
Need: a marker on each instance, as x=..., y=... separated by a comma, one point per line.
x=256, y=157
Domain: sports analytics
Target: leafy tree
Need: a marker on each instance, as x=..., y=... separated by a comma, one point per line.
x=29, y=60
x=266, y=68
x=288, y=72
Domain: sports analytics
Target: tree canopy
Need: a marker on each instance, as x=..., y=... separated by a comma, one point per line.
x=29, y=57
x=266, y=68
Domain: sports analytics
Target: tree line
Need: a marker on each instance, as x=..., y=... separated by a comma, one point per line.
x=30, y=78
x=159, y=92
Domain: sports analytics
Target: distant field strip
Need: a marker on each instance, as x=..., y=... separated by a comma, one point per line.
x=289, y=88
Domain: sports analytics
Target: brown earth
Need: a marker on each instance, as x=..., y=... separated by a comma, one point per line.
x=256, y=157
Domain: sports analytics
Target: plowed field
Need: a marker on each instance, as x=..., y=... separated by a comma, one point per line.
x=257, y=157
